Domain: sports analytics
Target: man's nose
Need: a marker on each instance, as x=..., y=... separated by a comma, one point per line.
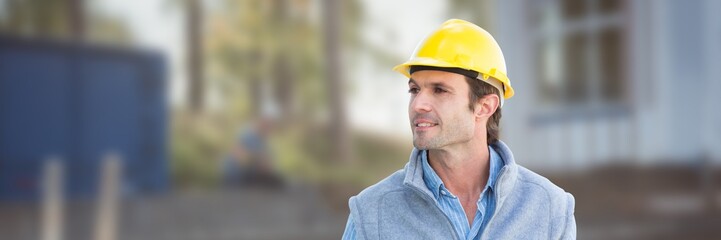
x=421, y=103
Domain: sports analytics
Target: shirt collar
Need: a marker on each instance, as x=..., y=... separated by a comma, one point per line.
x=494, y=169
x=432, y=180
x=435, y=184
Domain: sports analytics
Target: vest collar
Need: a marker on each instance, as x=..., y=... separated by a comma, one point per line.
x=503, y=186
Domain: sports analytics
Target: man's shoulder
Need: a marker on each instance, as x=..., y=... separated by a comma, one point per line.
x=392, y=183
x=533, y=183
x=528, y=176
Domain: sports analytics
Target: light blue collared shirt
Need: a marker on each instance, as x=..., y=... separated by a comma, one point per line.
x=449, y=203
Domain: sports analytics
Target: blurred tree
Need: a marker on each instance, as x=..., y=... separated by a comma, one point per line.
x=107, y=30
x=332, y=23
x=76, y=13
x=61, y=19
x=234, y=53
x=36, y=17
x=194, y=46
x=262, y=44
x=477, y=11
x=294, y=53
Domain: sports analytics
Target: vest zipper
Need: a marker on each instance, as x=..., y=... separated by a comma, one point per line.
x=433, y=202
x=490, y=220
x=498, y=203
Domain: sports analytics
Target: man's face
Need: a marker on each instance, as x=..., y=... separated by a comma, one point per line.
x=438, y=109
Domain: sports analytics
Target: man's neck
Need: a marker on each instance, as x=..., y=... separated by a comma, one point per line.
x=464, y=170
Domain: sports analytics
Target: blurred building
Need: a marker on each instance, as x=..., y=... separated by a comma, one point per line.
x=610, y=82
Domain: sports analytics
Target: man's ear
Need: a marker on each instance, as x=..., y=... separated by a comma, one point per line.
x=486, y=106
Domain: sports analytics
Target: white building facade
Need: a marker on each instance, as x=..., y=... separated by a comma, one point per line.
x=606, y=82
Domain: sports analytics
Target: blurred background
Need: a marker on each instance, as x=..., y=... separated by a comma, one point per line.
x=249, y=119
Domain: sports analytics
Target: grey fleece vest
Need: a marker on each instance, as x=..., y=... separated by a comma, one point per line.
x=528, y=206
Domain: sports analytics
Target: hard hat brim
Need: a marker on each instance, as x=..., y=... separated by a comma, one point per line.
x=404, y=69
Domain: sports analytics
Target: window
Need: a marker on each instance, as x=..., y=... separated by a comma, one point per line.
x=579, y=51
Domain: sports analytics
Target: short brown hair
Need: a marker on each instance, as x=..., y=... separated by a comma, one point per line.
x=477, y=90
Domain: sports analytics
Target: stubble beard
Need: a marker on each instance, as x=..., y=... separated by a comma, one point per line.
x=462, y=132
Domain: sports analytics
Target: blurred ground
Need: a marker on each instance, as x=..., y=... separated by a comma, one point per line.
x=248, y=213
x=618, y=202
x=622, y=202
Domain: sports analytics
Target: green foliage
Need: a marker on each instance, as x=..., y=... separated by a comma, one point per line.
x=198, y=143
x=302, y=153
x=252, y=45
x=53, y=19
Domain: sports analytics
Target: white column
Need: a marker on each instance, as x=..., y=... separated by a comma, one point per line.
x=52, y=200
x=111, y=169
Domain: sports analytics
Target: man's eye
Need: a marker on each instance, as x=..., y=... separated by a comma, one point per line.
x=439, y=90
x=413, y=90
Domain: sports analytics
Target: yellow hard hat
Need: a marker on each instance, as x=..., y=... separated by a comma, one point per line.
x=464, y=45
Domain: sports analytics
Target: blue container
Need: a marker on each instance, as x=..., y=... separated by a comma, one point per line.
x=80, y=103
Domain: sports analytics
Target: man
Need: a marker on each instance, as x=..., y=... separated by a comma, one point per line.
x=250, y=162
x=461, y=182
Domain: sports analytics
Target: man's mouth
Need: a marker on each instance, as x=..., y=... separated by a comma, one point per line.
x=425, y=124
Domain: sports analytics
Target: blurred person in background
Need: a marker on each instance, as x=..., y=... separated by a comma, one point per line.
x=461, y=181
x=250, y=162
